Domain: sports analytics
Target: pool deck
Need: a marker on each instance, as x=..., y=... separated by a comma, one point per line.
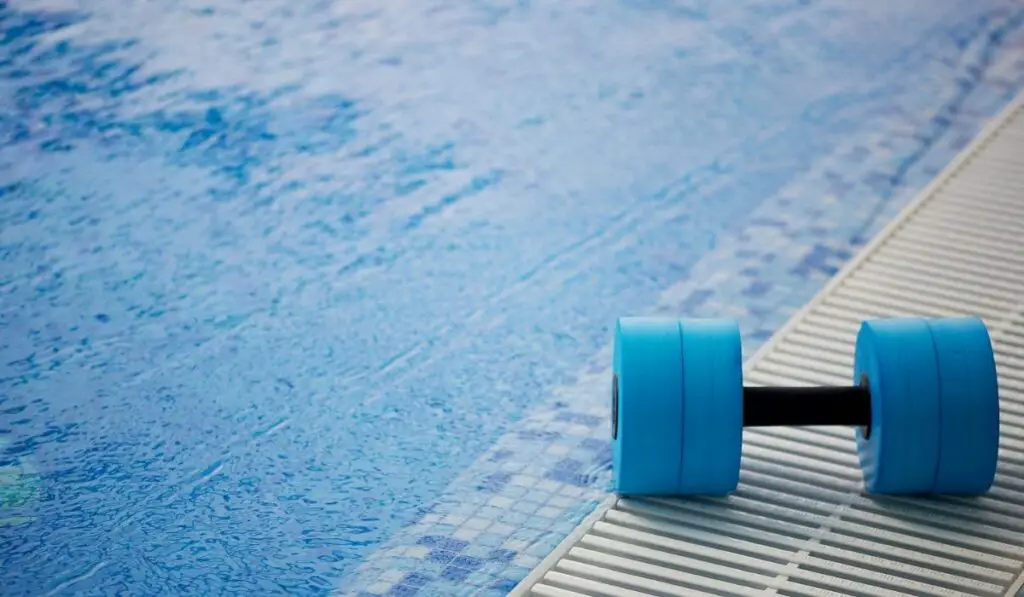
x=800, y=523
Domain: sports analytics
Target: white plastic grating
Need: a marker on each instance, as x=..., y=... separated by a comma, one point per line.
x=800, y=524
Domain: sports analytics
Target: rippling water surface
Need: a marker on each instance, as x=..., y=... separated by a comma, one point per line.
x=272, y=273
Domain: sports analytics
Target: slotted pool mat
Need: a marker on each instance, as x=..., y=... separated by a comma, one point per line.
x=800, y=524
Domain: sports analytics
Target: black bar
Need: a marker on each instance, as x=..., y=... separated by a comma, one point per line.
x=795, y=407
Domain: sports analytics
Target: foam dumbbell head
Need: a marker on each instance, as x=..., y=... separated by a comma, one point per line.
x=934, y=406
x=969, y=403
x=677, y=406
x=899, y=452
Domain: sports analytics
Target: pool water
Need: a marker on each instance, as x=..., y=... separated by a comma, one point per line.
x=316, y=298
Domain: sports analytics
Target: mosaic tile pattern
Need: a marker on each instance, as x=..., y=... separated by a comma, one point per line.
x=529, y=491
x=510, y=510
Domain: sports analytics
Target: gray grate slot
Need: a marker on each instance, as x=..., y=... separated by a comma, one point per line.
x=799, y=523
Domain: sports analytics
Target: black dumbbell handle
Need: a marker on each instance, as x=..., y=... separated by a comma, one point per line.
x=795, y=407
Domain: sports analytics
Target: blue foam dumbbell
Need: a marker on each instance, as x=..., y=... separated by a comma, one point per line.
x=924, y=402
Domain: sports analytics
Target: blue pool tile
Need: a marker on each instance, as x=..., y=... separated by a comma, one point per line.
x=501, y=455
x=415, y=579
x=513, y=492
x=490, y=539
x=494, y=482
x=757, y=288
x=513, y=518
x=568, y=465
x=443, y=543
x=538, y=523
x=504, y=584
x=526, y=506
x=455, y=574
x=571, y=478
x=492, y=570
x=489, y=512
x=582, y=419
x=481, y=552
x=538, y=435
x=517, y=573
x=502, y=555
x=467, y=562
x=440, y=556
x=604, y=454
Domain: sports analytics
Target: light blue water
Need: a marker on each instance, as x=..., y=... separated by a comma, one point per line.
x=272, y=274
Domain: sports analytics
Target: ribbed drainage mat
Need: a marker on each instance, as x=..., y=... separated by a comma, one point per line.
x=799, y=523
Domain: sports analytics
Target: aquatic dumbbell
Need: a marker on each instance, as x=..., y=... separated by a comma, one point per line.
x=924, y=401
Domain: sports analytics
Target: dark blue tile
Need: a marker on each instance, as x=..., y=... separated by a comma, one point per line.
x=440, y=556
x=759, y=312
x=817, y=261
x=880, y=182
x=403, y=591
x=455, y=574
x=415, y=579
x=594, y=444
x=569, y=477
x=837, y=185
x=757, y=288
x=501, y=455
x=442, y=543
x=494, y=482
x=466, y=562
